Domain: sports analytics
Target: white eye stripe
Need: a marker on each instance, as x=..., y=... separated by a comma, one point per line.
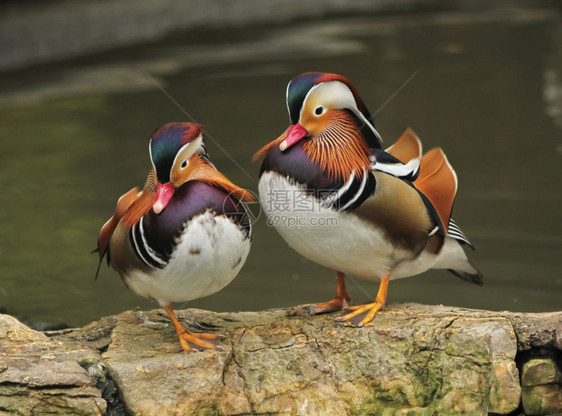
x=337, y=95
x=287, y=99
x=151, y=160
x=186, y=152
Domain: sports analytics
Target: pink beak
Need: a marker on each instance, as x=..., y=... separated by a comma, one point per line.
x=296, y=132
x=163, y=195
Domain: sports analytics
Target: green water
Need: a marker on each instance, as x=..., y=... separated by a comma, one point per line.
x=488, y=89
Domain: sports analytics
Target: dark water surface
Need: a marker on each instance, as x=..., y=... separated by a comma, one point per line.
x=488, y=89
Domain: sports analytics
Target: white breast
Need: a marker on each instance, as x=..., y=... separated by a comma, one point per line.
x=209, y=255
x=337, y=240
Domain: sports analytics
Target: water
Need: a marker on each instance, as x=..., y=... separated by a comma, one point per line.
x=487, y=88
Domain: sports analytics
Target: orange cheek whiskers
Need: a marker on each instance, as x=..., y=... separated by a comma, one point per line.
x=339, y=149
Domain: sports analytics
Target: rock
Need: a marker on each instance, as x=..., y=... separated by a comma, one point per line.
x=543, y=400
x=542, y=387
x=39, y=375
x=539, y=371
x=412, y=360
x=536, y=330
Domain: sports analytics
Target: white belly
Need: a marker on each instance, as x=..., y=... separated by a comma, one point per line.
x=451, y=256
x=337, y=240
x=210, y=254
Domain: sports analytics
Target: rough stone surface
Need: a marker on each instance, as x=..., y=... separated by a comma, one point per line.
x=543, y=400
x=412, y=360
x=542, y=387
x=39, y=375
x=539, y=371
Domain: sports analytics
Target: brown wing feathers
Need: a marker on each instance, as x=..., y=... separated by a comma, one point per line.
x=130, y=207
x=437, y=180
x=407, y=147
x=107, y=229
x=143, y=203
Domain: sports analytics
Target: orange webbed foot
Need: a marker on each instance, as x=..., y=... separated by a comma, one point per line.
x=334, y=305
x=339, y=303
x=192, y=341
x=361, y=315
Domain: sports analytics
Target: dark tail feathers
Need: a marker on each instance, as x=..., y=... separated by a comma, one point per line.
x=476, y=278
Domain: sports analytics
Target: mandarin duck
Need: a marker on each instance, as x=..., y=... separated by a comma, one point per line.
x=352, y=206
x=186, y=235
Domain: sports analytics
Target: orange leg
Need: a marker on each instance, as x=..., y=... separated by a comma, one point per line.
x=192, y=341
x=337, y=304
x=369, y=310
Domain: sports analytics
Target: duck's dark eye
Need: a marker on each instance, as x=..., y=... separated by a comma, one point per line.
x=184, y=164
x=318, y=110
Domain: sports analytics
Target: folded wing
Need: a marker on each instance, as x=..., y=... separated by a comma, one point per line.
x=438, y=182
x=434, y=177
x=402, y=159
x=108, y=228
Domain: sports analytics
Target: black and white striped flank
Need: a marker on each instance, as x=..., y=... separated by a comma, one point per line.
x=456, y=233
x=142, y=249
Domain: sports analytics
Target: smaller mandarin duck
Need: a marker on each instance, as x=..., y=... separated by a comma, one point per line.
x=186, y=235
x=388, y=211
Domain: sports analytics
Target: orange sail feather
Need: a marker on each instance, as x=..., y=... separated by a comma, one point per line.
x=438, y=182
